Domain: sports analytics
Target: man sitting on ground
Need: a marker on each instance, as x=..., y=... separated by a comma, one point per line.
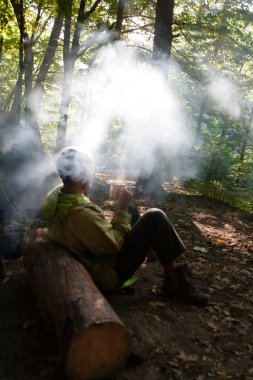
x=112, y=252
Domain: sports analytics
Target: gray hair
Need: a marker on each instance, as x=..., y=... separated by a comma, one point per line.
x=75, y=165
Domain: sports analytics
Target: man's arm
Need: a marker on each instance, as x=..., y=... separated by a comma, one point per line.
x=98, y=235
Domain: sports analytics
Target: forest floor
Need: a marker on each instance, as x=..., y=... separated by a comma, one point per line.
x=176, y=340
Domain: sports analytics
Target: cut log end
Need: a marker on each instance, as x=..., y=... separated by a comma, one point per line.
x=93, y=353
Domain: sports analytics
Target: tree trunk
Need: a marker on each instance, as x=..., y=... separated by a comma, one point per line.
x=1, y=48
x=37, y=92
x=28, y=62
x=69, y=58
x=92, y=339
x=163, y=35
x=245, y=141
x=31, y=105
x=3, y=24
x=149, y=181
x=151, y=184
x=16, y=106
x=50, y=52
x=225, y=127
x=120, y=16
x=243, y=149
x=66, y=88
x=201, y=116
x=15, y=110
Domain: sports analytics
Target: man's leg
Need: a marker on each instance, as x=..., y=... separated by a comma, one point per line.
x=155, y=230
x=133, y=210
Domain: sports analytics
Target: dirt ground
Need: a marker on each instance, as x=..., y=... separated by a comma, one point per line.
x=176, y=340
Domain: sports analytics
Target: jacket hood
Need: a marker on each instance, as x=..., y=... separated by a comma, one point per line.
x=57, y=205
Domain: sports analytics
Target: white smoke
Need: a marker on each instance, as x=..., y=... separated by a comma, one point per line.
x=225, y=94
x=135, y=95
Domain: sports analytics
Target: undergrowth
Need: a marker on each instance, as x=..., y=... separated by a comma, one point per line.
x=220, y=191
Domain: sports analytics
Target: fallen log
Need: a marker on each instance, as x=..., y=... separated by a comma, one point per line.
x=92, y=339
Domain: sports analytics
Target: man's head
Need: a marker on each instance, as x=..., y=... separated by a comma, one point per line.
x=74, y=165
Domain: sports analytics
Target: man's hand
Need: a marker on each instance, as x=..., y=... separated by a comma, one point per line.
x=124, y=198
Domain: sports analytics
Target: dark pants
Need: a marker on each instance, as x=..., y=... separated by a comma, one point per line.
x=154, y=230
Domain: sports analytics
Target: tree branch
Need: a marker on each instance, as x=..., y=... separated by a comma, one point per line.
x=92, y=9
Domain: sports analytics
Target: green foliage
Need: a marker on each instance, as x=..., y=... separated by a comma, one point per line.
x=63, y=6
x=221, y=191
x=211, y=37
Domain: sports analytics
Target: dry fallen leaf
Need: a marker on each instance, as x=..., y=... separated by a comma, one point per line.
x=157, y=304
x=217, y=286
x=174, y=363
x=213, y=325
x=200, y=249
x=187, y=358
x=243, y=331
x=250, y=246
x=156, y=317
x=225, y=281
x=223, y=375
x=226, y=312
x=250, y=371
x=230, y=319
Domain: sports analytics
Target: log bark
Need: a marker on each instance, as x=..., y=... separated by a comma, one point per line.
x=92, y=339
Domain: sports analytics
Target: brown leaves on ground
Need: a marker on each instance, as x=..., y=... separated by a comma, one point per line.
x=178, y=341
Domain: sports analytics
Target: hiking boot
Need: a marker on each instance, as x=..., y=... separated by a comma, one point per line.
x=178, y=286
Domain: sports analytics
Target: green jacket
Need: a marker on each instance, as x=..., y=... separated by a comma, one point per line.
x=79, y=225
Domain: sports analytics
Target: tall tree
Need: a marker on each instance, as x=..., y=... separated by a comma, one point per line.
x=3, y=24
x=120, y=17
x=245, y=142
x=70, y=55
x=163, y=35
x=149, y=182
x=18, y=8
x=38, y=89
